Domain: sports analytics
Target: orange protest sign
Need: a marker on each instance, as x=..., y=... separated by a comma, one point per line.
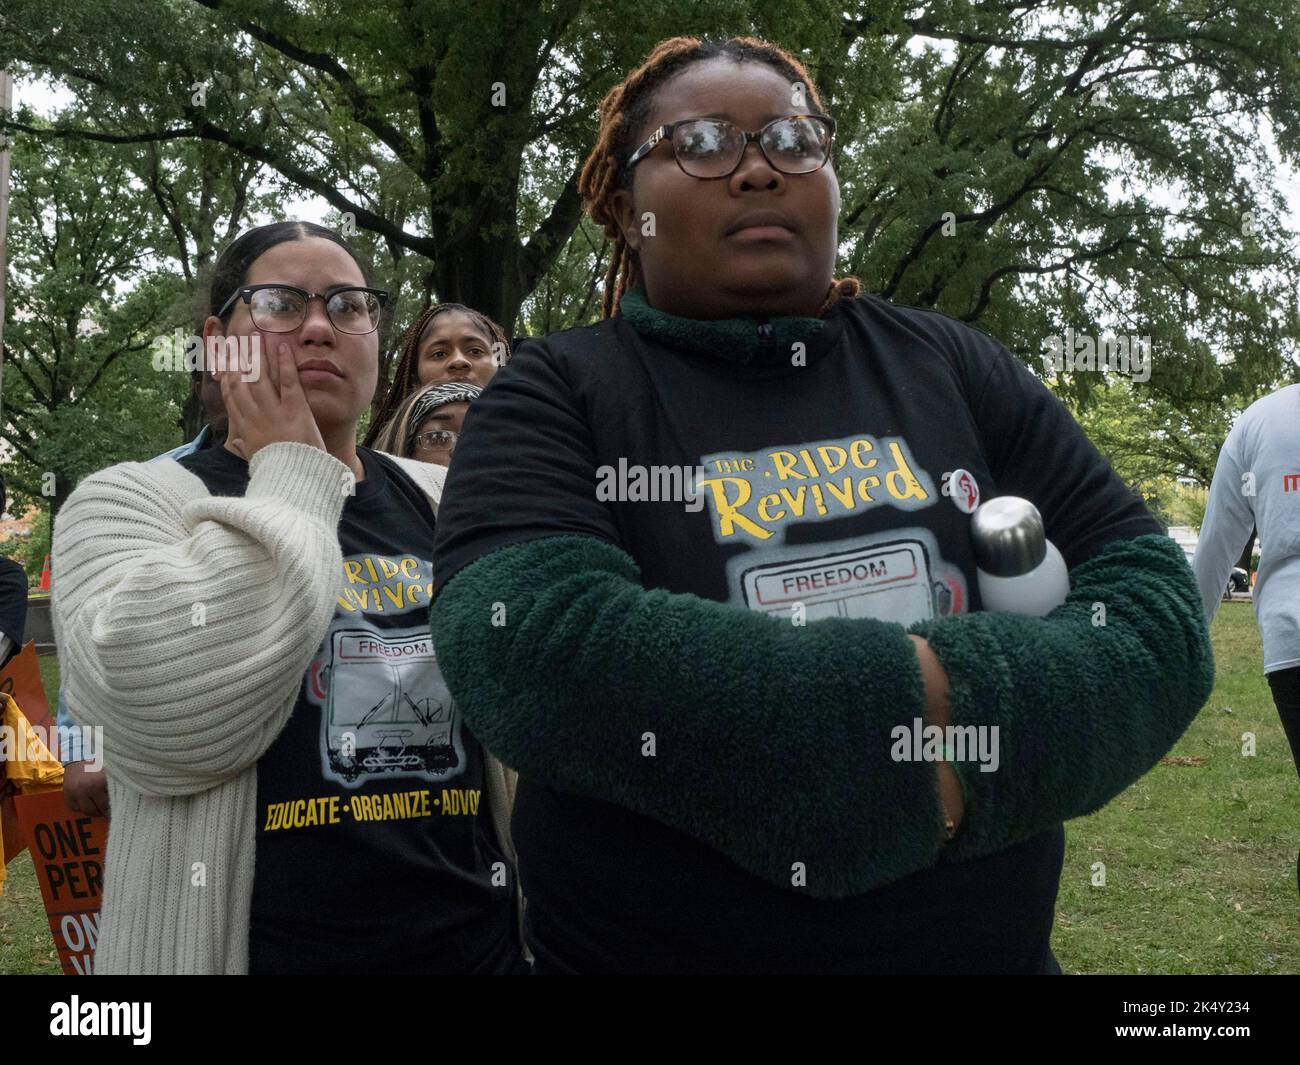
x=68, y=854
x=21, y=680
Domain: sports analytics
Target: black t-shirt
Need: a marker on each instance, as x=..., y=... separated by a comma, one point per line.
x=842, y=479
x=375, y=847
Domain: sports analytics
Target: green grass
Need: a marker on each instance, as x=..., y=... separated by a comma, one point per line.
x=1200, y=859
x=26, y=945
x=49, y=666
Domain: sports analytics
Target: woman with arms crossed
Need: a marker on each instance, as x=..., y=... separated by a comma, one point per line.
x=707, y=781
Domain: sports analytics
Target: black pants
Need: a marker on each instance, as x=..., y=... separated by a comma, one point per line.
x=1286, y=695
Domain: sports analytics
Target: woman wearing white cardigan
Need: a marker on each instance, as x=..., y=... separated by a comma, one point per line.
x=227, y=614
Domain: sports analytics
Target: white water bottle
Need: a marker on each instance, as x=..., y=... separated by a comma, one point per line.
x=1019, y=570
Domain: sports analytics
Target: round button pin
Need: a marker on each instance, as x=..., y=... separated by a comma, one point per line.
x=964, y=491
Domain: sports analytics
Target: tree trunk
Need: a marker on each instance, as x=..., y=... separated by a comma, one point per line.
x=483, y=273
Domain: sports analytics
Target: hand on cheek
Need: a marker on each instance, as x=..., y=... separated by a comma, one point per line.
x=270, y=345
x=271, y=409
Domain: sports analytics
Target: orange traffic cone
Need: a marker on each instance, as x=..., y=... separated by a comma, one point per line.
x=45, y=575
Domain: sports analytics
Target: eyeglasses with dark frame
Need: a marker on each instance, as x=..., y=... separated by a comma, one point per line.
x=275, y=308
x=710, y=148
x=436, y=440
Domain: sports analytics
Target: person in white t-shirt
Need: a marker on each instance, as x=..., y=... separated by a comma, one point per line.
x=1257, y=483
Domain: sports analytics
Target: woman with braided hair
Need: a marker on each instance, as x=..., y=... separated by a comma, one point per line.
x=703, y=576
x=448, y=343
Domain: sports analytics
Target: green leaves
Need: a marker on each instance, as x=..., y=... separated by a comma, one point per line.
x=87, y=292
x=1105, y=166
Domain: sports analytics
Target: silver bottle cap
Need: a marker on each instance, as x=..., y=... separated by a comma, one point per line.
x=1009, y=537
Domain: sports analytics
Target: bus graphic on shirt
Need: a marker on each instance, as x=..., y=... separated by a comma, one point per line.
x=385, y=708
x=897, y=577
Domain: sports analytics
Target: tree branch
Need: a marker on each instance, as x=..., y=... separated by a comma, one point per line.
x=363, y=107
x=547, y=240
x=206, y=130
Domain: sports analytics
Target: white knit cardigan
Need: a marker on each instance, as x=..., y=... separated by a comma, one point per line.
x=184, y=622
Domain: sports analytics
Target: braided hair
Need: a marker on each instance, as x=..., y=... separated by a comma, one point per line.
x=406, y=378
x=625, y=109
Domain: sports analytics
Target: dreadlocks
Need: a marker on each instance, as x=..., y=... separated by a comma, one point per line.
x=406, y=376
x=627, y=106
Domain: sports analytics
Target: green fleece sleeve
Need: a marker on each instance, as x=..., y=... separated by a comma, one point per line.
x=1085, y=700
x=772, y=742
x=768, y=741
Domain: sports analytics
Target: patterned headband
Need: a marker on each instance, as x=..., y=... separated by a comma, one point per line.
x=435, y=398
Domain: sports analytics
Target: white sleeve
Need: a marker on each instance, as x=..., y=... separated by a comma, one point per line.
x=429, y=477
x=1229, y=517
x=185, y=621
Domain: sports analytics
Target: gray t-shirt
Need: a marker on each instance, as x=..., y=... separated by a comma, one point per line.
x=1257, y=480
